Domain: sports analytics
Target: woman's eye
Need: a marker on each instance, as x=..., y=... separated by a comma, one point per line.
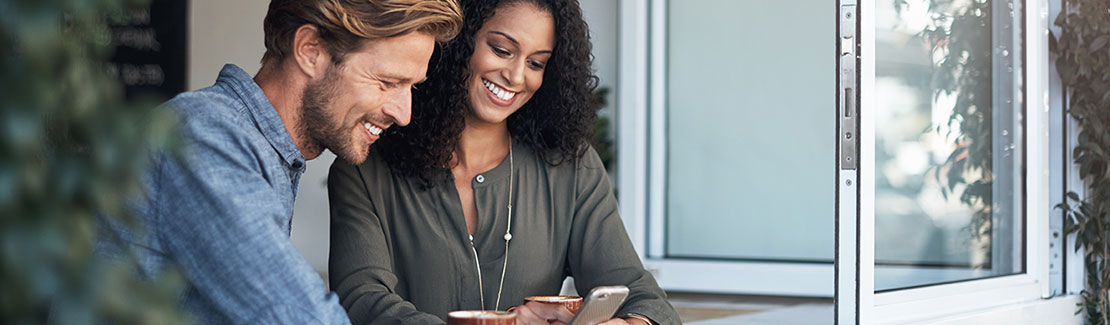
x=500, y=51
x=537, y=65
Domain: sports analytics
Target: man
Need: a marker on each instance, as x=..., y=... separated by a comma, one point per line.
x=334, y=76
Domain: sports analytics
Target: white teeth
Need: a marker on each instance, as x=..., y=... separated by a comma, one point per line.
x=373, y=129
x=498, y=91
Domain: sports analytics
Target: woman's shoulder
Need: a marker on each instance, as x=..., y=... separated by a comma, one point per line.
x=590, y=159
x=587, y=163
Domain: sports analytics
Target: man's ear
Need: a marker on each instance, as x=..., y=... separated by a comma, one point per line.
x=309, y=52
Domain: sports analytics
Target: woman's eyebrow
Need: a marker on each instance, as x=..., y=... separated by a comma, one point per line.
x=513, y=40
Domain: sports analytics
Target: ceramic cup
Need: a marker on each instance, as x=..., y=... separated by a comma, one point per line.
x=571, y=302
x=480, y=317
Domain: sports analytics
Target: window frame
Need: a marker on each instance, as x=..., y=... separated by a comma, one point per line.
x=939, y=301
x=640, y=95
x=641, y=99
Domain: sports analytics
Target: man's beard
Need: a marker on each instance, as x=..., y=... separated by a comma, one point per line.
x=324, y=128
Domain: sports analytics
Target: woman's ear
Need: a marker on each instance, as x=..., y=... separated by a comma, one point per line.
x=309, y=52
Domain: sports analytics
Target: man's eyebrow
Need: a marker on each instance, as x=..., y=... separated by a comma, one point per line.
x=400, y=79
x=411, y=80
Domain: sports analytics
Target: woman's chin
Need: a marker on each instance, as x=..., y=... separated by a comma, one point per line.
x=491, y=116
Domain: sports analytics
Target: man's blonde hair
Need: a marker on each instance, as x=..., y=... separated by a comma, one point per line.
x=345, y=24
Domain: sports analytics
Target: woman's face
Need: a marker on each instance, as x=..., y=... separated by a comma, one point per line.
x=511, y=51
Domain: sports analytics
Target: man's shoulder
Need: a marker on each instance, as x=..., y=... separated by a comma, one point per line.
x=214, y=115
x=212, y=103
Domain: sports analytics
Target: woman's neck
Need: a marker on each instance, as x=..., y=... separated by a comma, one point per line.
x=481, y=146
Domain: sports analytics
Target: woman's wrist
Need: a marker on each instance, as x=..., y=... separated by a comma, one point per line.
x=633, y=318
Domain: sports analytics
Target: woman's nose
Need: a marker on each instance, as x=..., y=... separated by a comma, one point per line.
x=514, y=73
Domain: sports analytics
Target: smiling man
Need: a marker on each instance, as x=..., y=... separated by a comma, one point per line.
x=334, y=76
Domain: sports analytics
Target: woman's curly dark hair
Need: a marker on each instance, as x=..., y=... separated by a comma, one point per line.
x=556, y=122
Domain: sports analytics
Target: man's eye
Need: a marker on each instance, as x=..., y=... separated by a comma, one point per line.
x=387, y=84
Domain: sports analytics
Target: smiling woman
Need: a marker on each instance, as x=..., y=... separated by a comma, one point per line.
x=492, y=193
x=557, y=119
x=507, y=71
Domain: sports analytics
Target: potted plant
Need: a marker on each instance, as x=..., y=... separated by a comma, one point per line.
x=1082, y=52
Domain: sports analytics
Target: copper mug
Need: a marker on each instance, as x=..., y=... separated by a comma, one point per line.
x=571, y=302
x=480, y=317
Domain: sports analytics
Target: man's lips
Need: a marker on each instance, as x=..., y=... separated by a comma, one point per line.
x=373, y=132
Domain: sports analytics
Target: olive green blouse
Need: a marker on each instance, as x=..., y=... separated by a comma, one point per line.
x=401, y=254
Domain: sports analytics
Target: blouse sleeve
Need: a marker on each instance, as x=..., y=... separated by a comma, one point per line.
x=360, y=264
x=600, y=251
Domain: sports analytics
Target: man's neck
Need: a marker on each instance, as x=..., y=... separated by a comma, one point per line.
x=285, y=90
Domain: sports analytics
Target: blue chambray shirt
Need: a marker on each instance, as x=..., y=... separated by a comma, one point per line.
x=224, y=213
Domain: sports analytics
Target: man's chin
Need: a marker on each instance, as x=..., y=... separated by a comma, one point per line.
x=355, y=156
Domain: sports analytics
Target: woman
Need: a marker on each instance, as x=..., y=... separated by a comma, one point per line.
x=491, y=194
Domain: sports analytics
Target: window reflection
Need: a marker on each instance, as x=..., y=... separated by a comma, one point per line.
x=945, y=156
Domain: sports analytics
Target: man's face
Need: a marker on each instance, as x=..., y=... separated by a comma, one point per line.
x=348, y=108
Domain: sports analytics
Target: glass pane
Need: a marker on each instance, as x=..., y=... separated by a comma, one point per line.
x=948, y=142
x=750, y=139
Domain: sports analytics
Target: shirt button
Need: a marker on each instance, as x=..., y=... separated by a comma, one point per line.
x=297, y=165
x=480, y=178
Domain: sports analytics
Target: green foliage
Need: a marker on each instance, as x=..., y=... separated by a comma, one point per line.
x=71, y=148
x=1083, y=62
x=602, y=139
x=961, y=33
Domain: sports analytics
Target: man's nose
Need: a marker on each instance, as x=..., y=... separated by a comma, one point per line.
x=399, y=107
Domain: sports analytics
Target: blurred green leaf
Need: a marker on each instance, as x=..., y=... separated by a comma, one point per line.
x=71, y=150
x=1099, y=42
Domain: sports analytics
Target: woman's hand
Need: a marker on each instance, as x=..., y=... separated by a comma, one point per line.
x=543, y=314
x=624, y=321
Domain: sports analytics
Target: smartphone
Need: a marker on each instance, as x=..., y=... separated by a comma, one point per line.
x=600, y=305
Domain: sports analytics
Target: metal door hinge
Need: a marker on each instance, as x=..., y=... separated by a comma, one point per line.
x=848, y=103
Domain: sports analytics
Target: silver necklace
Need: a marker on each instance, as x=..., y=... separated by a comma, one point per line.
x=508, y=237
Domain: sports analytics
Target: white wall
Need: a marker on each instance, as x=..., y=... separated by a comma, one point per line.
x=224, y=32
x=231, y=32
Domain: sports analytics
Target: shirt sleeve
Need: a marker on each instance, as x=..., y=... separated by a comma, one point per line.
x=602, y=254
x=360, y=266
x=217, y=216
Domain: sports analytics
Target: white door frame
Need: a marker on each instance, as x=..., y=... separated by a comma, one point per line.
x=639, y=90
x=944, y=300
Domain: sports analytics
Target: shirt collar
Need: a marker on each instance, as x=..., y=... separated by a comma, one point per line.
x=263, y=112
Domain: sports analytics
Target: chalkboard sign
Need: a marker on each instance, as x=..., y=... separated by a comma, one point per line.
x=151, y=50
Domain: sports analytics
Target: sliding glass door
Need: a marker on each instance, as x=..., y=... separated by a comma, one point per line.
x=949, y=150
x=740, y=144
x=947, y=163
x=885, y=153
